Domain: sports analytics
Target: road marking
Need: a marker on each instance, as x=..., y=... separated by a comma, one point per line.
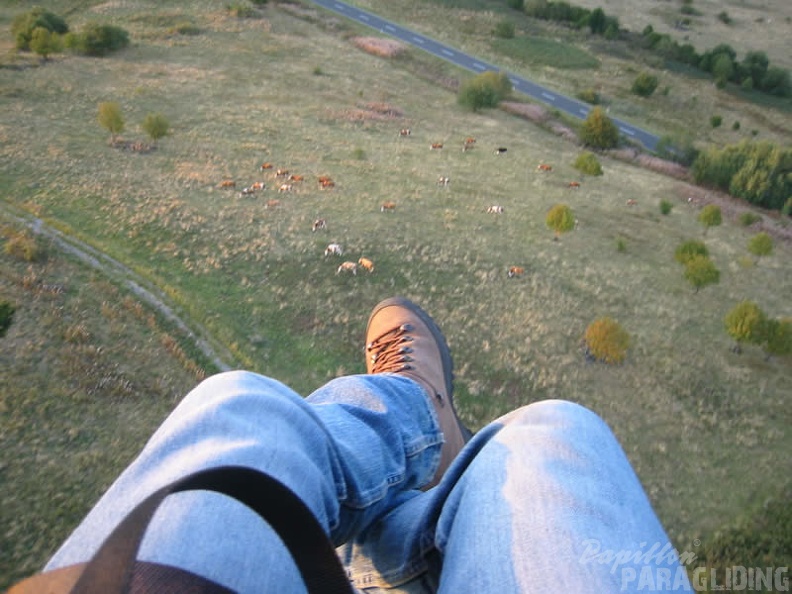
x=584, y=111
x=478, y=66
x=627, y=131
x=363, y=17
x=389, y=28
x=548, y=96
x=339, y=7
x=448, y=52
x=418, y=40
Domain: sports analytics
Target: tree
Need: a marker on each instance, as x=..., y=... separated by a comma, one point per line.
x=156, y=126
x=723, y=69
x=560, y=219
x=588, y=163
x=97, y=40
x=778, y=337
x=607, y=341
x=597, y=21
x=111, y=119
x=24, y=24
x=755, y=66
x=599, y=131
x=700, y=272
x=44, y=42
x=760, y=245
x=6, y=316
x=644, y=84
x=746, y=323
x=690, y=249
x=484, y=90
x=710, y=216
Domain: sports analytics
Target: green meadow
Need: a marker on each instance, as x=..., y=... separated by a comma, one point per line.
x=88, y=370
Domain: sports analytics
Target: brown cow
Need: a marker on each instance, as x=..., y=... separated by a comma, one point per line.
x=443, y=181
x=435, y=146
x=266, y=166
x=515, y=271
x=388, y=206
x=632, y=202
x=347, y=267
x=495, y=209
x=296, y=178
x=405, y=132
x=544, y=167
x=574, y=184
x=281, y=173
x=367, y=264
x=228, y=183
x=319, y=224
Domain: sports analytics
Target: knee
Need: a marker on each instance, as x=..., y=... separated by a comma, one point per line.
x=561, y=415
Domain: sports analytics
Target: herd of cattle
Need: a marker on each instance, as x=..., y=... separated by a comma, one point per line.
x=286, y=182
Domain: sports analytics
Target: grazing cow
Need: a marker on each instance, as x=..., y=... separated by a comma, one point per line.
x=347, y=267
x=324, y=178
x=443, y=181
x=272, y=204
x=495, y=209
x=366, y=264
x=228, y=183
x=282, y=173
x=319, y=224
x=266, y=166
x=296, y=178
x=285, y=188
x=470, y=141
x=435, y=146
x=247, y=191
x=334, y=249
x=574, y=184
x=388, y=206
x=258, y=186
x=544, y=167
x=515, y=271
x=328, y=183
x=632, y=202
x=500, y=150
x=404, y=132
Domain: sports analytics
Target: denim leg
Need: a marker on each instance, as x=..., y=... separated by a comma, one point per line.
x=550, y=503
x=351, y=450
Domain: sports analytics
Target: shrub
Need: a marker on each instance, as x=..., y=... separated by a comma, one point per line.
x=97, y=40
x=736, y=125
x=588, y=163
x=589, y=96
x=516, y=4
x=44, y=42
x=760, y=245
x=156, y=126
x=644, y=84
x=560, y=219
x=484, y=90
x=6, y=316
x=689, y=250
x=749, y=218
x=110, y=118
x=607, y=341
x=724, y=18
x=666, y=206
x=700, y=272
x=599, y=131
x=745, y=323
x=710, y=216
x=621, y=245
x=23, y=246
x=504, y=30
x=240, y=10
x=678, y=149
x=24, y=24
x=778, y=337
x=716, y=121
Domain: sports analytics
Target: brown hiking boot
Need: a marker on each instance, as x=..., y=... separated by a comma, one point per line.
x=402, y=338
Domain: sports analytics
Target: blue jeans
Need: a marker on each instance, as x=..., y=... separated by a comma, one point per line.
x=541, y=500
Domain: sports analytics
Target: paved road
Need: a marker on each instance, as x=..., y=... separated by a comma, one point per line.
x=537, y=92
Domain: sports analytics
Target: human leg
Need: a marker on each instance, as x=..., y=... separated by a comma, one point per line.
x=550, y=503
x=350, y=451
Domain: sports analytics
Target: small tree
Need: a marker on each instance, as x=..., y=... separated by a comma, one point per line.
x=45, y=42
x=24, y=24
x=778, y=337
x=607, y=341
x=745, y=323
x=760, y=245
x=156, y=126
x=588, y=163
x=6, y=316
x=666, y=206
x=710, y=216
x=111, y=119
x=700, y=272
x=599, y=131
x=645, y=84
x=560, y=219
x=689, y=250
x=484, y=90
x=504, y=30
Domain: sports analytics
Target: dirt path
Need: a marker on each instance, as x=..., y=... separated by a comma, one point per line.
x=121, y=275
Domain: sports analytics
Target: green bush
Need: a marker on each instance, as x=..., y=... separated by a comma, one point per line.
x=666, y=206
x=700, y=271
x=716, y=121
x=678, y=149
x=724, y=18
x=44, y=42
x=588, y=163
x=760, y=245
x=241, y=10
x=560, y=219
x=690, y=249
x=645, y=84
x=484, y=90
x=745, y=323
x=24, y=24
x=599, y=131
x=589, y=96
x=97, y=40
x=6, y=316
x=710, y=216
x=156, y=126
x=749, y=218
x=23, y=246
x=607, y=341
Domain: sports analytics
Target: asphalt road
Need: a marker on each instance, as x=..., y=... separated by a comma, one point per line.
x=573, y=107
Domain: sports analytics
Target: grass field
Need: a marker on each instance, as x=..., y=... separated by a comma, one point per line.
x=89, y=372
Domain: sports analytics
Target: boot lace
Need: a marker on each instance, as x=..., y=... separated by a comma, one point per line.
x=390, y=352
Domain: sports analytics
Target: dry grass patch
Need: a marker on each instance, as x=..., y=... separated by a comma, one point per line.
x=385, y=48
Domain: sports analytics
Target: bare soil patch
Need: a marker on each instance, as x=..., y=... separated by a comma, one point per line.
x=386, y=48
